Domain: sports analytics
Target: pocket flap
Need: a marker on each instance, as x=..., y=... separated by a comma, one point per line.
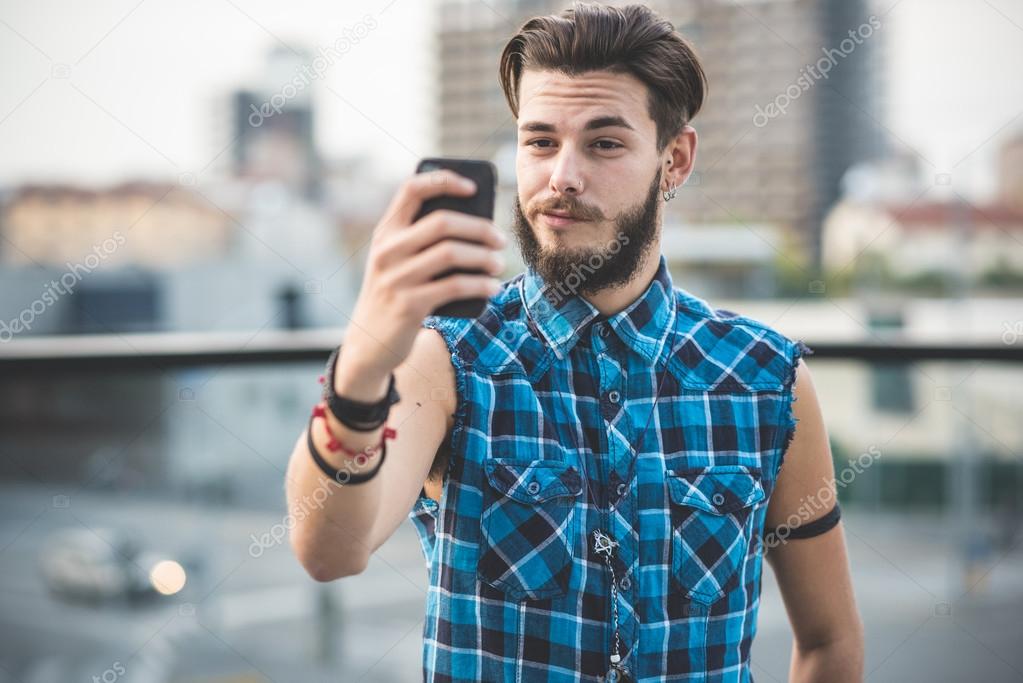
x=716, y=489
x=533, y=481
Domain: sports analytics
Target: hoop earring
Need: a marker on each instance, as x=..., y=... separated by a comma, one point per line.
x=670, y=194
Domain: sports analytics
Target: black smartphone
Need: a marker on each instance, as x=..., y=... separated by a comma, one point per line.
x=481, y=204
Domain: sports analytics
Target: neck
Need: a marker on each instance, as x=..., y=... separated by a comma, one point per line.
x=615, y=299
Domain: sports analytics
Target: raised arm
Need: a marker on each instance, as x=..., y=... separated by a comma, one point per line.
x=338, y=526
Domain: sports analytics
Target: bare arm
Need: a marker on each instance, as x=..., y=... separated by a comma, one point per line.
x=352, y=522
x=336, y=526
x=813, y=573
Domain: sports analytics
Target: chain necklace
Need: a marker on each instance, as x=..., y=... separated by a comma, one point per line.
x=603, y=544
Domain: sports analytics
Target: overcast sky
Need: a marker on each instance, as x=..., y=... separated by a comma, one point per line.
x=144, y=79
x=113, y=89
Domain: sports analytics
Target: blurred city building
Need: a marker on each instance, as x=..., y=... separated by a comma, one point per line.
x=272, y=133
x=164, y=225
x=1010, y=172
x=890, y=232
x=723, y=260
x=273, y=235
x=928, y=242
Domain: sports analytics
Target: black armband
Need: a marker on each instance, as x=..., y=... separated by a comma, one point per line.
x=780, y=534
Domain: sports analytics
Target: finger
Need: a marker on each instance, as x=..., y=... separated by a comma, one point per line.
x=419, y=188
x=445, y=224
x=453, y=287
x=444, y=255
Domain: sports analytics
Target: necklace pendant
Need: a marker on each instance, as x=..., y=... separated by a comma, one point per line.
x=618, y=674
x=602, y=543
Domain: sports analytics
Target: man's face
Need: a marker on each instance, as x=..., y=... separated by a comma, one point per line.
x=588, y=176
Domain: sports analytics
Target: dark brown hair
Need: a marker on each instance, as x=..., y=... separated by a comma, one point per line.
x=630, y=39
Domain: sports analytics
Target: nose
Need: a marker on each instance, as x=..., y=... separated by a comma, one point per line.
x=566, y=177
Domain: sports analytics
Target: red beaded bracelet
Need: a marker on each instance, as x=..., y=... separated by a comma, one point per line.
x=334, y=445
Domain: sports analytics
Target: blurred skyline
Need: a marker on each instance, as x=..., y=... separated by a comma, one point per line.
x=150, y=228
x=179, y=61
x=951, y=88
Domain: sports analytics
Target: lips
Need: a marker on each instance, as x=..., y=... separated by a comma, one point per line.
x=557, y=219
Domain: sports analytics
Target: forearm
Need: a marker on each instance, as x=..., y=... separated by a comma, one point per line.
x=838, y=661
x=332, y=522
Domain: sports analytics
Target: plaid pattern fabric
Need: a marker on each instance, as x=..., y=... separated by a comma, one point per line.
x=552, y=394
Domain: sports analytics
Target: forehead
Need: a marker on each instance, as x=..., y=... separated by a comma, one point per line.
x=570, y=100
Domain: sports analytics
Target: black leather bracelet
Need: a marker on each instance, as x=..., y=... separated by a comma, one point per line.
x=782, y=533
x=356, y=415
x=342, y=476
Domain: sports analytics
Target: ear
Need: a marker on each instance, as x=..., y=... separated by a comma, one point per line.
x=678, y=158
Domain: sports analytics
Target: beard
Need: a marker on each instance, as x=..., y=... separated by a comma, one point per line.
x=590, y=269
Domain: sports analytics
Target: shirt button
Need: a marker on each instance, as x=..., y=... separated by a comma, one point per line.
x=534, y=487
x=613, y=396
x=625, y=584
x=602, y=330
x=621, y=488
x=718, y=499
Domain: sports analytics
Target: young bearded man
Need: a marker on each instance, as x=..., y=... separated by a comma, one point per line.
x=594, y=464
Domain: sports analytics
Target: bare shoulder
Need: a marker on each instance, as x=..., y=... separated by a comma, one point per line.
x=806, y=406
x=426, y=381
x=807, y=470
x=430, y=377
x=428, y=371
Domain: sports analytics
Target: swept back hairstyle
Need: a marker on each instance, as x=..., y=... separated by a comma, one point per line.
x=629, y=39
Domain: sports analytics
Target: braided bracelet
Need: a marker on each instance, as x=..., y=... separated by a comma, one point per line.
x=344, y=476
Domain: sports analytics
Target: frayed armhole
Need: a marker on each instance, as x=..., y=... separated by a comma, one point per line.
x=438, y=324
x=796, y=351
x=424, y=517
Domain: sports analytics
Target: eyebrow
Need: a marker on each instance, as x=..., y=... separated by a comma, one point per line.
x=592, y=124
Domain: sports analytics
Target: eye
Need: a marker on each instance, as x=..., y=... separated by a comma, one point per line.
x=607, y=144
x=537, y=143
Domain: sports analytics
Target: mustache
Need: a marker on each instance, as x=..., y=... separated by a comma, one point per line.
x=570, y=205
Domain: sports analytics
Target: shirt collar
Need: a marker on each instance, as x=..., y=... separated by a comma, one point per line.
x=561, y=315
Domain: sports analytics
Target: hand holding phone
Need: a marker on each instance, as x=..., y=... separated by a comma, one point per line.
x=431, y=249
x=481, y=204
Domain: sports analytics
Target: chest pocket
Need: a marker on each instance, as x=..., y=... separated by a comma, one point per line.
x=710, y=517
x=528, y=526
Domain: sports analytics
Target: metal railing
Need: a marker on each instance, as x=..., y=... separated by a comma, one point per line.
x=164, y=351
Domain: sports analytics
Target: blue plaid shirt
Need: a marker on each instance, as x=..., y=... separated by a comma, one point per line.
x=550, y=394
